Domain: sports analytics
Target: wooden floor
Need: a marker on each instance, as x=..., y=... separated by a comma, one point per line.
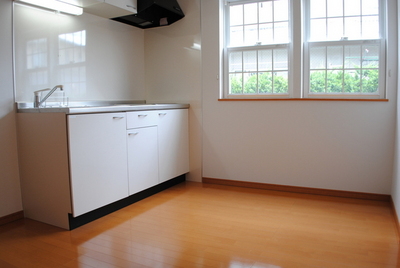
x=196, y=225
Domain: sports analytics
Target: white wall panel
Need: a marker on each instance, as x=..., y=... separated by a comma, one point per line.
x=320, y=144
x=173, y=72
x=93, y=57
x=396, y=173
x=10, y=193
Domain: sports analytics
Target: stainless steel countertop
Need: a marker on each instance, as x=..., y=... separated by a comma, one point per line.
x=99, y=107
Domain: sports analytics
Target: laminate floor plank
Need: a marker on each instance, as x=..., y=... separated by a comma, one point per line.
x=205, y=225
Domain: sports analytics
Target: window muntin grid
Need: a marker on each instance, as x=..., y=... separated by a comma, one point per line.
x=345, y=49
x=258, y=23
x=344, y=69
x=344, y=20
x=257, y=53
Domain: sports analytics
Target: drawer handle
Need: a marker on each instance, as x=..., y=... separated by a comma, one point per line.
x=133, y=133
x=162, y=114
x=142, y=115
x=118, y=117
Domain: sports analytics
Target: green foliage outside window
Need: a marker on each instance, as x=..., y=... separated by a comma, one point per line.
x=350, y=81
x=267, y=84
x=332, y=81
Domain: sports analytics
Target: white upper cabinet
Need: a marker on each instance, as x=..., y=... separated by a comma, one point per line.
x=80, y=3
x=130, y=5
x=112, y=8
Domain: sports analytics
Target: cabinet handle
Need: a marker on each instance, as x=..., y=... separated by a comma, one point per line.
x=133, y=133
x=162, y=114
x=118, y=117
x=131, y=6
x=142, y=115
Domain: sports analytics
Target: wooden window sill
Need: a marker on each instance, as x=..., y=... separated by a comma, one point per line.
x=307, y=99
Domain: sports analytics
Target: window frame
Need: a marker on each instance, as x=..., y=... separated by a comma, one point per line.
x=227, y=50
x=381, y=94
x=299, y=55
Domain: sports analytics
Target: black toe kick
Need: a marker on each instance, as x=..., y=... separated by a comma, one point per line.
x=75, y=222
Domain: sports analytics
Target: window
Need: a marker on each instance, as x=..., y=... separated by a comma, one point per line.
x=342, y=49
x=257, y=48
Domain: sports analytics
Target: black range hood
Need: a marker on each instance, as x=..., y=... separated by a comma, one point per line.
x=153, y=13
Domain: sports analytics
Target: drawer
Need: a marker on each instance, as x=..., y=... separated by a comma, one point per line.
x=141, y=119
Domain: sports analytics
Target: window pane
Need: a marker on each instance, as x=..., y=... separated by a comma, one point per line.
x=370, y=7
x=250, y=13
x=250, y=35
x=335, y=28
x=281, y=33
x=352, y=7
x=370, y=57
x=335, y=8
x=352, y=81
x=265, y=12
x=352, y=27
x=266, y=33
x=370, y=81
x=318, y=29
x=236, y=36
x=236, y=15
x=265, y=60
x=280, y=59
x=235, y=62
x=352, y=57
x=335, y=57
x=334, y=81
x=318, y=58
x=281, y=82
x=281, y=10
x=318, y=9
x=370, y=27
x=350, y=69
x=250, y=61
x=265, y=83
x=317, y=81
x=235, y=84
x=250, y=83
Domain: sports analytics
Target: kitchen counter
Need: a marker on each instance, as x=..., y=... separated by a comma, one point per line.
x=98, y=107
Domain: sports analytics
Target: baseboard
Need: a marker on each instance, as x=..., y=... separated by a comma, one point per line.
x=396, y=219
x=302, y=190
x=12, y=217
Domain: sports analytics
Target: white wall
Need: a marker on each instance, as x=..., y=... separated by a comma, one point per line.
x=330, y=145
x=396, y=173
x=10, y=193
x=173, y=72
x=106, y=63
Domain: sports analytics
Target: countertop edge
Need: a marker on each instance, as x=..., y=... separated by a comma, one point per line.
x=105, y=109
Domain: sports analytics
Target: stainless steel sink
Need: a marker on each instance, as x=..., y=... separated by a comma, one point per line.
x=99, y=107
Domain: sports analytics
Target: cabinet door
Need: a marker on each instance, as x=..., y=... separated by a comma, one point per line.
x=142, y=158
x=130, y=5
x=173, y=139
x=112, y=8
x=98, y=160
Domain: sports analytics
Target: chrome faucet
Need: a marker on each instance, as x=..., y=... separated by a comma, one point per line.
x=37, y=101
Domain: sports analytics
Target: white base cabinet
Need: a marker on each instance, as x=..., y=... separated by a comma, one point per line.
x=142, y=158
x=98, y=157
x=173, y=140
x=74, y=164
